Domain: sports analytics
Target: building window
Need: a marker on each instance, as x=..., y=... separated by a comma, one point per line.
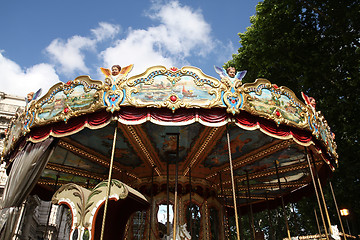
x=138, y=224
x=162, y=218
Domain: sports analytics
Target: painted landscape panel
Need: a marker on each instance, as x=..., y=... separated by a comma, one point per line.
x=185, y=89
x=267, y=103
x=76, y=100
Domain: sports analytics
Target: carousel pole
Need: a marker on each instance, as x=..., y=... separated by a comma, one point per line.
x=240, y=224
x=190, y=204
x=251, y=219
x=317, y=223
x=167, y=200
x=176, y=183
x=232, y=183
x=109, y=183
x=151, y=199
x=269, y=216
x=317, y=195
x=225, y=217
x=282, y=201
x=321, y=192
x=337, y=210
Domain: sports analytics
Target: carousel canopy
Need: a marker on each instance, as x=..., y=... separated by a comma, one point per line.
x=168, y=115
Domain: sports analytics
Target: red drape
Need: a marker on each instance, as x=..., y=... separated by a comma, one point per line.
x=134, y=115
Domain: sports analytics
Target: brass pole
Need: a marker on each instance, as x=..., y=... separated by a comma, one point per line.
x=240, y=224
x=317, y=222
x=167, y=200
x=337, y=210
x=190, y=204
x=225, y=217
x=317, y=195
x=232, y=183
x=151, y=199
x=321, y=192
x=282, y=201
x=109, y=183
x=176, y=183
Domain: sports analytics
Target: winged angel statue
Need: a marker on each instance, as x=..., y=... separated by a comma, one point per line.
x=230, y=74
x=117, y=74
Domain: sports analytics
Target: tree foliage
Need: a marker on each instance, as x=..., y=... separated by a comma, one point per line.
x=314, y=46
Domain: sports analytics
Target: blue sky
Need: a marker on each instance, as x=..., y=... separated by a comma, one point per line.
x=43, y=42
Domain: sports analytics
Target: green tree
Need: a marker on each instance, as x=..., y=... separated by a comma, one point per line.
x=314, y=47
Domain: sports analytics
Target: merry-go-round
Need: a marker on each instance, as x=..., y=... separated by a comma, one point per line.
x=171, y=144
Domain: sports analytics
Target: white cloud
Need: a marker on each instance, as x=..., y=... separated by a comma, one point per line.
x=181, y=33
x=15, y=81
x=105, y=30
x=70, y=54
x=137, y=48
x=182, y=29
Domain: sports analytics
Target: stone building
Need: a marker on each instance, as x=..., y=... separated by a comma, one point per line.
x=42, y=220
x=35, y=218
x=9, y=104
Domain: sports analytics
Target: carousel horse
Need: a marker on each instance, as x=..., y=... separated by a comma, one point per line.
x=181, y=233
x=335, y=232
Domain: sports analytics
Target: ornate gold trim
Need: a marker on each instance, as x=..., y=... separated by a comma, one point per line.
x=66, y=108
x=74, y=171
x=278, y=109
x=207, y=140
x=141, y=145
x=172, y=99
x=61, y=102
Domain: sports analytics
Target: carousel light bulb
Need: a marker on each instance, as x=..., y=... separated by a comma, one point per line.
x=344, y=212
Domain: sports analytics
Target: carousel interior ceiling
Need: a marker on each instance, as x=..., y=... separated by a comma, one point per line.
x=84, y=158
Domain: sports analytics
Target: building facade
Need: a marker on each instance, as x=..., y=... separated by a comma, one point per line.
x=35, y=221
x=9, y=104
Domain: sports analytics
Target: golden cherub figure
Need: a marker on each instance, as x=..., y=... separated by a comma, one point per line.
x=117, y=73
x=230, y=76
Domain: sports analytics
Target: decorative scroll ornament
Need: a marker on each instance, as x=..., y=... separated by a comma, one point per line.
x=30, y=115
x=112, y=98
x=232, y=97
x=85, y=204
x=313, y=119
x=173, y=88
x=318, y=125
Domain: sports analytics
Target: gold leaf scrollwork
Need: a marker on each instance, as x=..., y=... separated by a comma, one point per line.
x=232, y=101
x=113, y=98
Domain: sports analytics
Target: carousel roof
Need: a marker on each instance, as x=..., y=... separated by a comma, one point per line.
x=168, y=114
